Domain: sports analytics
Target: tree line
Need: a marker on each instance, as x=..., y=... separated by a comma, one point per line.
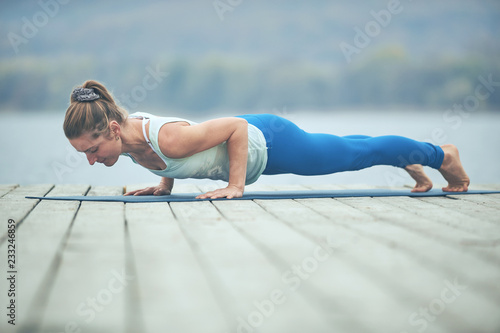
x=385, y=80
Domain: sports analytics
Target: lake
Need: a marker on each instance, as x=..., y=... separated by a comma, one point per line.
x=34, y=149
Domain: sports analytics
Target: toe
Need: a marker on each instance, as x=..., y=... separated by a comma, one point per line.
x=456, y=188
x=421, y=188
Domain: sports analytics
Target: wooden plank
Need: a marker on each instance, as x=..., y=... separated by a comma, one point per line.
x=488, y=200
x=289, y=187
x=133, y=187
x=14, y=205
x=449, y=227
x=90, y=288
x=357, y=266
x=27, y=242
x=403, y=266
x=170, y=281
x=428, y=252
x=410, y=225
x=485, y=213
x=6, y=188
x=389, y=257
x=99, y=190
x=19, y=193
x=257, y=187
x=445, y=216
x=359, y=186
x=247, y=285
x=179, y=187
x=325, y=187
x=39, y=238
x=481, y=236
x=296, y=258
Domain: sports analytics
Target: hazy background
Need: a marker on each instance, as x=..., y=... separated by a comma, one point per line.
x=420, y=71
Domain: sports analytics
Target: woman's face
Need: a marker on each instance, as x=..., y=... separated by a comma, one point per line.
x=104, y=149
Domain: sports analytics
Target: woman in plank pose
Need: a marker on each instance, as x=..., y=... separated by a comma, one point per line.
x=238, y=149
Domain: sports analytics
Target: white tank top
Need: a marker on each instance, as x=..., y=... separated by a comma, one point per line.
x=212, y=163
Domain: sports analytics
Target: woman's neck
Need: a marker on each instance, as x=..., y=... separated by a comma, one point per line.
x=133, y=140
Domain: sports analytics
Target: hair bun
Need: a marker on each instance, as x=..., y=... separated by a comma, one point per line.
x=84, y=94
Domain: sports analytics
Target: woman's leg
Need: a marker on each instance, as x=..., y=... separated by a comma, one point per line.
x=292, y=150
x=356, y=137
x=422, y=182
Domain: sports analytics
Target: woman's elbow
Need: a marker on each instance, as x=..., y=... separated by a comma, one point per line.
x=242, y=124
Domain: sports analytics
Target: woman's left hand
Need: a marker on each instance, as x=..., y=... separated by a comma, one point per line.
x=229, y=192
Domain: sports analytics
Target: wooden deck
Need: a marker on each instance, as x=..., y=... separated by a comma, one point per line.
x=395, y=264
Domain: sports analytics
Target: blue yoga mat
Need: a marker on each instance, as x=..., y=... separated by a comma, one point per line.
x=267, y=195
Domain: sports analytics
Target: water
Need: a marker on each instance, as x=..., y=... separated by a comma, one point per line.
x=34, y=149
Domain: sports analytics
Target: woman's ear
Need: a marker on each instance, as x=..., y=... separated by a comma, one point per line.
x=114, y=128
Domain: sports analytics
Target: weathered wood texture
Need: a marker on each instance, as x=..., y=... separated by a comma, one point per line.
x=393, y=264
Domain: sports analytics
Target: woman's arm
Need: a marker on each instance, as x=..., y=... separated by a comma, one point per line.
x=165, y=188
x=167, y=183
x=178, y=141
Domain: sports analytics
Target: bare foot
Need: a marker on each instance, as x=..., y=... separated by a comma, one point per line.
x=453, y=171
x=416, y=172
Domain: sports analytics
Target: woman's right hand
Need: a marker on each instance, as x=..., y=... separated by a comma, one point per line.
x=153, y=190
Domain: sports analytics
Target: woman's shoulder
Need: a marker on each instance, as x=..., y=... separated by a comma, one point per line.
x=160, y=120
x=139, y=114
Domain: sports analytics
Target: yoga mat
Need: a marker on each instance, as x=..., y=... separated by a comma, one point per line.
x=266, y=195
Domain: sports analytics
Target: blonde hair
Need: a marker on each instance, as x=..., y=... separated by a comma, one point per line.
x=94, y=115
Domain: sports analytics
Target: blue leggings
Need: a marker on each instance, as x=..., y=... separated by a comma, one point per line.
x=293, y=150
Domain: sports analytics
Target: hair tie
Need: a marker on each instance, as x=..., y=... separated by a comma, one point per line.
x=84, y=94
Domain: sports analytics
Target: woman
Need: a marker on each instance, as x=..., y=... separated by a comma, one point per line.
x=238, y=149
